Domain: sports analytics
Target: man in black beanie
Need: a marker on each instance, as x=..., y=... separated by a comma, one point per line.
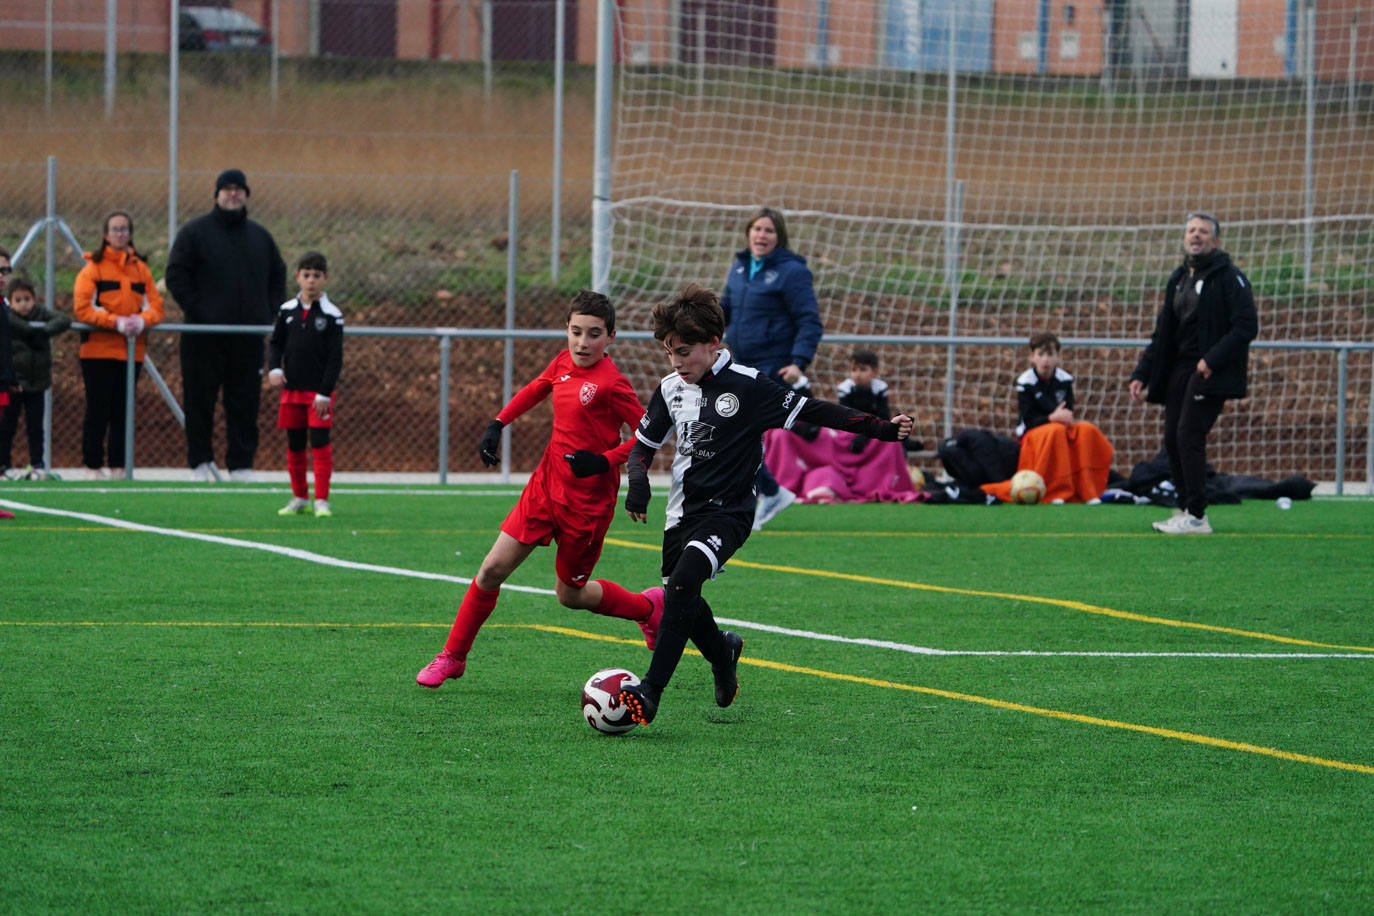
x=224, y=269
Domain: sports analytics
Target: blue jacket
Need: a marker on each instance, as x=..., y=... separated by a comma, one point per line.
x=773, y=319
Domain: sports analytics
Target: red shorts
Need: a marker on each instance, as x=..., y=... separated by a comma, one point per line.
x=297, y=411
x=537, y=519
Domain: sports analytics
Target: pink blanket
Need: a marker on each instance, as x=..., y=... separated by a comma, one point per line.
x=825, y=471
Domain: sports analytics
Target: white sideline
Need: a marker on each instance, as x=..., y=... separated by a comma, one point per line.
x=310, y=556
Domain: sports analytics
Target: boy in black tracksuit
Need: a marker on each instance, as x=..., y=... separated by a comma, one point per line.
x=719, y=411
x=305, y=356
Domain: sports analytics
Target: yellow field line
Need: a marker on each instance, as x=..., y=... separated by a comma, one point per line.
x=1191, y=737
x=1033, y=599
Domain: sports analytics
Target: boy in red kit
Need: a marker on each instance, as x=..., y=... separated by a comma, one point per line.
x=305, y=356
x=571, y=495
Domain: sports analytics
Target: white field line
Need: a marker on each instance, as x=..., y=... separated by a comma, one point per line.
x=310, y=556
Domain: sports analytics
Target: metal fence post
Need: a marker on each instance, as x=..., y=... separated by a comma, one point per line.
x=445, y=346
x=508, y=367
x=556, y=232
x=1342, y=368
x=130, y=378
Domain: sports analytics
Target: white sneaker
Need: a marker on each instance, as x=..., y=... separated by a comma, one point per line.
x=296, y=506
x=201, y=472
x=322, y=509
x=769, y=506
x=1186, y=524
x=243, y=475
x=1163, y=524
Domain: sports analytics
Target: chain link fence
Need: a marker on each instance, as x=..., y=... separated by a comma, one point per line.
x=381, y=133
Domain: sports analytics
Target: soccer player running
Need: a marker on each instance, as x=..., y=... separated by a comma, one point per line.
x=570, y=497
x=719, y=410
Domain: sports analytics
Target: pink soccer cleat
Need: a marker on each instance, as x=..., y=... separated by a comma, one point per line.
x=445, y=665
x=650, y=624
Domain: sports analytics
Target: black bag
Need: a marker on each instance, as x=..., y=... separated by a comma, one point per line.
x=978, y=456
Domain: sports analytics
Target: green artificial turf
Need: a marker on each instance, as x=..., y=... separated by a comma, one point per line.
x=941, y=708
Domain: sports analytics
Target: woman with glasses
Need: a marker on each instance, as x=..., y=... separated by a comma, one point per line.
x=114, y=292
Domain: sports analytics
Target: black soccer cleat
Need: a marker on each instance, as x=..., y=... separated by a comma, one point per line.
x=642, y=702
x=727, y=685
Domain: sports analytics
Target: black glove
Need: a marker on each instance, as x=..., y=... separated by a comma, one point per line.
x=489, y=448
x=587, y=464
x=858, y=444
x=808, y=431
x=637, y=497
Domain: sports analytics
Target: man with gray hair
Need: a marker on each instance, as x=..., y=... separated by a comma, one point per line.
x=1197, y=359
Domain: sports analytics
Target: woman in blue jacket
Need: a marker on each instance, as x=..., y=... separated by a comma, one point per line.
x=772, y=322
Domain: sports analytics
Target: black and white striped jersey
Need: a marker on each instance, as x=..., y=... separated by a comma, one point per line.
x=719, y=425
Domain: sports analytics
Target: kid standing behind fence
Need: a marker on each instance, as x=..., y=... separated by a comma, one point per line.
x=305, y=356
x=31, y=349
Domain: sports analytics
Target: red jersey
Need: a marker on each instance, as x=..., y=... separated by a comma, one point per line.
x=589, y=407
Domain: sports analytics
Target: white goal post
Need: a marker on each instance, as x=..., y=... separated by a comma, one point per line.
x=991, y=168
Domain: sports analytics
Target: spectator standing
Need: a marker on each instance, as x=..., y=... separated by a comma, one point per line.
x=224, y=268
x=773, y=322
x=1196, y=360
x=31, y=351
x=114, y=292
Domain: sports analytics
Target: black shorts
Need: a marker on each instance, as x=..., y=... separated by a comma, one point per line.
x=717, y=535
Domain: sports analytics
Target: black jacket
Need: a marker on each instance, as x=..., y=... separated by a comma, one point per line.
x=226, y=269
x=31, y=347
x=309, y=352
x=6, y=363
x=1227, y=322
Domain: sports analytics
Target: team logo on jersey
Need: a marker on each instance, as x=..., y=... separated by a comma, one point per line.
x=727, y=405
x=321, y=323
x=587, y=393
x=691, y=435
x=770, y=277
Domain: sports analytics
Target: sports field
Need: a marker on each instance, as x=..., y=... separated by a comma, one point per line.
x=206, y=707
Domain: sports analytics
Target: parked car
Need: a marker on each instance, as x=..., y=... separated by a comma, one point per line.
x=213, y=28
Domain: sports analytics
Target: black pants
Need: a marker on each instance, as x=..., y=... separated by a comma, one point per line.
x=31, y=403
x=105, y=395
x=210, y=362
x=1188, y=418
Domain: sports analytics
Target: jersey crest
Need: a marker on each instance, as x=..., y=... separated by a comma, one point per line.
x=587, y=394
x=727, y=405
x=321, y=323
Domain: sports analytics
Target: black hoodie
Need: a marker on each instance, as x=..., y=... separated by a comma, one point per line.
x=226, y=269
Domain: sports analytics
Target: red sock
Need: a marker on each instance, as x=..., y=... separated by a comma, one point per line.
x=295, y=468
x=477, y=606
x=617, y=602
x=324, y=466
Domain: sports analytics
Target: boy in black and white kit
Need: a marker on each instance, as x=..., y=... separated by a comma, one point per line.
x=305, y=356
x=719, y=411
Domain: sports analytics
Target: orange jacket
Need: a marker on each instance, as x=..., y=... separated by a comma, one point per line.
x=120, y=283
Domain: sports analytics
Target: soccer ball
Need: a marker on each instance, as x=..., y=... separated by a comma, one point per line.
x=601, y=701
x=1027, y=487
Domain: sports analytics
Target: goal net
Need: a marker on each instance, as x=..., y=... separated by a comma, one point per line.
x=991, y=168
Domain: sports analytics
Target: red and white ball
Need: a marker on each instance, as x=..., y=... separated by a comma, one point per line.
x=1027, y=487
x=601, y=704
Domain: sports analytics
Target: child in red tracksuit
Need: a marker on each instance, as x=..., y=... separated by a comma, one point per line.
x=305, y=357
